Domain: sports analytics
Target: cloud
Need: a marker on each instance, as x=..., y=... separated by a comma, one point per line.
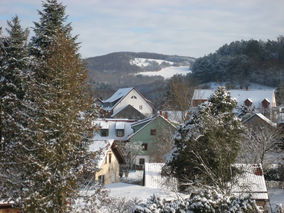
x=184, y=27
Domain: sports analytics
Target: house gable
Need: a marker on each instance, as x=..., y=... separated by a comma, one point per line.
x=151, y=130
x=137, y=101
x=129, y=112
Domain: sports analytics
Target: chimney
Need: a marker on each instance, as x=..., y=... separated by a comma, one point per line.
x=166, y=115
x=161, y=113
x=247, y=88
x=258, y=171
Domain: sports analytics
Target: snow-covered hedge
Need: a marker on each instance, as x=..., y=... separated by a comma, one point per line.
x=204, y=201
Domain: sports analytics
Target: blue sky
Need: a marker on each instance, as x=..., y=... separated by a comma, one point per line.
x=183, y=27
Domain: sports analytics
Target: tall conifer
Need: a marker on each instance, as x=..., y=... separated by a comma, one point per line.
x=14, y=119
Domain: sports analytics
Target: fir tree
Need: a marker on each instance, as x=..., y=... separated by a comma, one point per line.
x=208, y=144
x=62, y=129
x=14, y=119
x=52, y=21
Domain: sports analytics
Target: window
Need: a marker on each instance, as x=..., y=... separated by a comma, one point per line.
x=153, y=132
x=101, y=179
x=120, y=132
x=144, y=146
x=104, y=132
x=109, y=157
x=133, y=97
x=140, y=107
x=141, y=161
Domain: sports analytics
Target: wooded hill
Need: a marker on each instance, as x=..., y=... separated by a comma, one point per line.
x=241, y=62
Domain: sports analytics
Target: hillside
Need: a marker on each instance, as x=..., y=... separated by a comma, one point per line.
x=146, y=71
x=241, y=62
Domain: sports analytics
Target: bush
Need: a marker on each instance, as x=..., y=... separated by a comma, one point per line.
x=201, y=202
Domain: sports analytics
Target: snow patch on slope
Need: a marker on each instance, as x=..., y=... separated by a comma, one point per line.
x=167, y=72
x=144, y=62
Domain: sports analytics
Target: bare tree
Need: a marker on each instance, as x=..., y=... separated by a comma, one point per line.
x=180, y=92
x=256, y=142
x=129, y=151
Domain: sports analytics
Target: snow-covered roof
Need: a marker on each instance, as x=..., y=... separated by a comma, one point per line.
x=102, y=147
x=261, y=116
x=147, y=122
x=153, y=178
x=120, y=125
x=251, y=181
x=120, y=93
x=255, y=96
x=112, y=125
x=174, y=116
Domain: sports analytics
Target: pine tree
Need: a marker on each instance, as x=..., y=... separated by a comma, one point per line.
x=52, y=21
x=62, y=127
x=14, y=120
x=61, y=123
x=208, y=144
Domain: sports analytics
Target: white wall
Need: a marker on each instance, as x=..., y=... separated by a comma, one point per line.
x=136, y=103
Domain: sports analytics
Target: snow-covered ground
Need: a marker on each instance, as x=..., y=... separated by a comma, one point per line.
x=276, y=197
x=134, y=176
x=131, y=191
x=167, y=72
x=144, y=62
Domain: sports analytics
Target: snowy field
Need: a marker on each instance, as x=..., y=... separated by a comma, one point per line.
x=130, y=192
x=167, y=72
x=276, y=197
x=144, y=62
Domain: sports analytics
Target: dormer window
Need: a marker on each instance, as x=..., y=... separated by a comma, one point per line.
x=248, y=102
x=133, y=97
x=265, y=103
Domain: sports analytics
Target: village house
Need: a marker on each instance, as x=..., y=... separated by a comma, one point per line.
x=116, y=129
x=261, y=101
x=109, y=159
x=149, y=131
x=258, y=120
x=128, y=103
x=252, y=182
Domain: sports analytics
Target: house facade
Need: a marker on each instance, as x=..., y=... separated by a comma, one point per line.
x=147, y=132
x=121, y=101
x=109, y=160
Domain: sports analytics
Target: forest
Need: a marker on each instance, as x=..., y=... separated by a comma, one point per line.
x=241, y=62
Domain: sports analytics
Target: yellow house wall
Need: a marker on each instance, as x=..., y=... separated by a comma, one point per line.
x=109, y=170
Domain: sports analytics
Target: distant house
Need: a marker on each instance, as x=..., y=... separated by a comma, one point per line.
x=128, y=103
x=261, y=100
x=148, y=131
x=259, y=120
x=109, y=158
x=252, y=182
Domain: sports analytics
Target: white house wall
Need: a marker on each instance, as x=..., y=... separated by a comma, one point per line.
x=136, y=103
